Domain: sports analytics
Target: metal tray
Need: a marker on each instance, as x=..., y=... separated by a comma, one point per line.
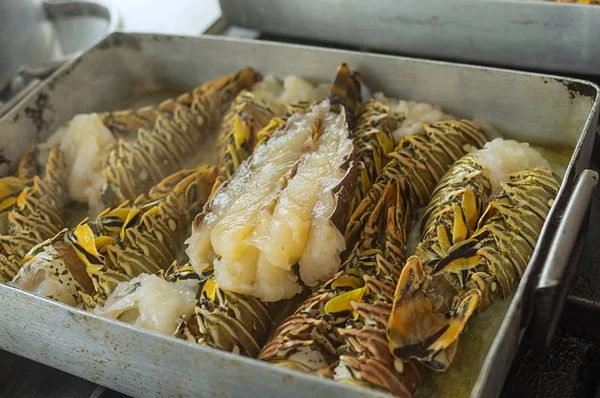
x=554, y=37
x=137, y=362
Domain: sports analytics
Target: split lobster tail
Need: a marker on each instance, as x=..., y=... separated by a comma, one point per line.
x=258, y=237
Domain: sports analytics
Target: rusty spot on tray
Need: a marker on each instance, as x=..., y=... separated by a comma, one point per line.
x=579, y=89
x=119, y=39
x=41, y=113
x=3, y=159
x=162, y=37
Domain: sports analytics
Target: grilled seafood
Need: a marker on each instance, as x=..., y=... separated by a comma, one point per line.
x=256, y=228
x=247, y=115
x=309, y=189
x=471, y=254
x=343, y=322
x=151, y=302
x=411, y=115
x=11, y=186
x=126, y=123
x=120, y=244
x=255, y=115
x=178, y=132
x=373, y=142
x=116, y=156
x=239, y=322
x=34, y=210
x=291, y=91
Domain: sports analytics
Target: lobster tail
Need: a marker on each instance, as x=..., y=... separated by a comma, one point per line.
x=346, y=92
x=414, y=329
x=468, y=258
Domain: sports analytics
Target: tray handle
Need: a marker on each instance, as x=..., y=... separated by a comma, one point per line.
x=559, y=266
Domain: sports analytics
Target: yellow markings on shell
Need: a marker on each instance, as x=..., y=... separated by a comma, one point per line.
x=22, y=198
x=269, y=129
x=378, y=160
x=5, y=189
x=120, y=213
x=365, y=181
x=444, y=239
x=460, y=230
x=343, y=302
x=129, y=221
x=470, y=208
x=86, y=249
x=102, y=241
x=9, y=188
x=234, y=156
x=348, y=281
x=385, y=142
x=153, y=211
x=461, y=264
x=7, y=203
x=241, y=133
x=210, y=288
x=468, y=304
x=5, y=247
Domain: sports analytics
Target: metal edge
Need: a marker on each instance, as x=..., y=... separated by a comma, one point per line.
x=595, y=87
x=556, y=277
x=42, y=85
x=566, y=232
x=217, y=27
x=117, y=36
x=220, y=354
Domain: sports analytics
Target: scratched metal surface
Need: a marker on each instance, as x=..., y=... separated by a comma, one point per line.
x=142, y=363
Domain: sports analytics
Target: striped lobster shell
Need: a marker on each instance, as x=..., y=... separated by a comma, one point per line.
x=470, y=256
x=34, y=209
x=246, y=117
x=178, y=130
x=121, y=243
x=342, y=325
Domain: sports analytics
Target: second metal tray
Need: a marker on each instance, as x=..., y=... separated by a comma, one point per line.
x=537, y=108
x=546, y=36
